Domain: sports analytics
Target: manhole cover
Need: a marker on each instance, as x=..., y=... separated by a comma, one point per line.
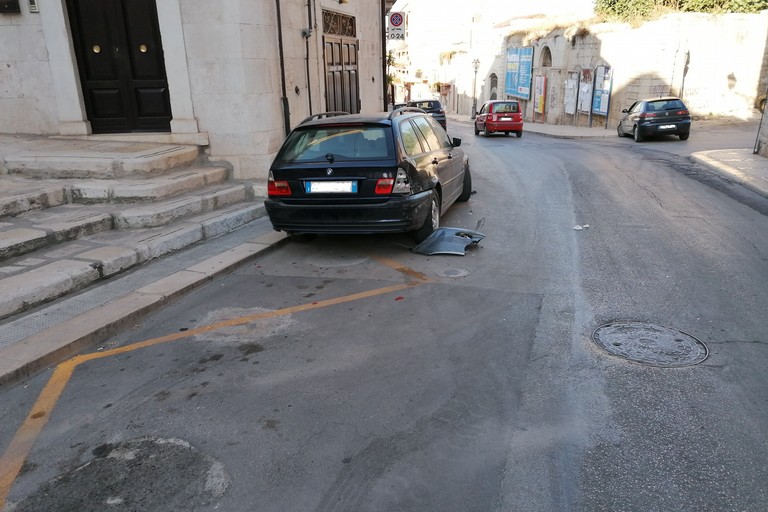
x=650, y=344
x=139, y=474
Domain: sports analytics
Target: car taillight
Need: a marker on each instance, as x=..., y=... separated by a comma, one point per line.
x=277, y=188
x=681, y=113
x=397, y=185
x=647, y=115
x=384, y=186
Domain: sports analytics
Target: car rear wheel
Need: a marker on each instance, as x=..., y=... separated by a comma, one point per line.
x=486, y=131
x=619, y=130
x=684, y=136
x=466, y=189
x=636, y=134
x=432, y=221
x=519, y=133
x=477, y=132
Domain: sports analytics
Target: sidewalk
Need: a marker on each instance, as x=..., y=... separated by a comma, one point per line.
x=47, y=334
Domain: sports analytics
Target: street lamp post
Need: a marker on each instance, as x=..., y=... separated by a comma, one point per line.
x=475, y=66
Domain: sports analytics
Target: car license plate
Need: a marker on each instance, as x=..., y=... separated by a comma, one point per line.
x=325, y=187
x=667, y=127
x=506, y=118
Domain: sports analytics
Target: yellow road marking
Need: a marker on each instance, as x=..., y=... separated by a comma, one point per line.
x=21, y=444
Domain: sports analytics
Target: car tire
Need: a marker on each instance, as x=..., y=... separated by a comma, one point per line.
x=636, y=134
x=519, y=133
x=432, y=222
x=619, y=130
x=486, y=131
x=466, y=189
x=477, y=132
x=684, y=136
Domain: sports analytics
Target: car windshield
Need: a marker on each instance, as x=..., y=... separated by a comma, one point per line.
x=335, y=143
x=660, y=105
x=505, y=107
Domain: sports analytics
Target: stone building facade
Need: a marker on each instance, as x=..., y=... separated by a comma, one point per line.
x=714, y=62
x=231, y=76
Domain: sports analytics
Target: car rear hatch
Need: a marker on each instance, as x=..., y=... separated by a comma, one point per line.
x=335, y=164
x=506, y=112
x=666, y=112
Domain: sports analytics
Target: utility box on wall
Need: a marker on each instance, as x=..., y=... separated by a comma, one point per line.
x=8, y=6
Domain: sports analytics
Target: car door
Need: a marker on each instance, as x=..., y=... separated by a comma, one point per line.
x=480, y=119
x=441, y=159
x=449, y=159
x=634, y=114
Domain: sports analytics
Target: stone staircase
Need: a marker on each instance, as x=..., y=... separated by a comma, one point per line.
x=73, y=213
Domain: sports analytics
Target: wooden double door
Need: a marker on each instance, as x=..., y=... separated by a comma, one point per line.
x=120, y=60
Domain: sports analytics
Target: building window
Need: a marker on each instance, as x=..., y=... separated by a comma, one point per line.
x=338, y=24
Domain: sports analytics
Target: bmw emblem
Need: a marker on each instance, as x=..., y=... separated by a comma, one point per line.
x=329, y=171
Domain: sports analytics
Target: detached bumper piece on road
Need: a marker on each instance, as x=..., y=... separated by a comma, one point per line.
x=448, y=241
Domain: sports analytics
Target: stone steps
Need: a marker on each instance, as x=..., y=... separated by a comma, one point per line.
x=73, y=213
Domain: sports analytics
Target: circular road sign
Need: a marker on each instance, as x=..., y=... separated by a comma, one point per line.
x=396, y=19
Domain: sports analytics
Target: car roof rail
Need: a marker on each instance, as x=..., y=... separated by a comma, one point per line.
x=404, y=110
x=322, y=115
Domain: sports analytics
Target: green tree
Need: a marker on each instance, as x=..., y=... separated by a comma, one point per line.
x=643, y=9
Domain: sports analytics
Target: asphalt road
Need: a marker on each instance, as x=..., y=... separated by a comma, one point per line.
x=350, y=374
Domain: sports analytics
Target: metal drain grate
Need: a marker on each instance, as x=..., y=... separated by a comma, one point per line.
x=650, y=344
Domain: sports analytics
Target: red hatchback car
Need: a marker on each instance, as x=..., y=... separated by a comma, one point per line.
x=499, y=116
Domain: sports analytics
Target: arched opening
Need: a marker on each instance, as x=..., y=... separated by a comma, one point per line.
x=546, y=57
x=494, y=86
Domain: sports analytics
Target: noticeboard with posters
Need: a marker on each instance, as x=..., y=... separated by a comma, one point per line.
x=601, y=100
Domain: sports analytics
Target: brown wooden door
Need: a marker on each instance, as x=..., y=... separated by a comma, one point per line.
x=341, y=82
x=120, y=58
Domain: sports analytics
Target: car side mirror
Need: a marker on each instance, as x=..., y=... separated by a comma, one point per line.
x=456, y=142
x=625, y=111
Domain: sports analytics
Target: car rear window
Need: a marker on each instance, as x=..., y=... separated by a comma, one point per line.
x=511, y=106
x=345, y=143
x=425, y=105
x=659, y=105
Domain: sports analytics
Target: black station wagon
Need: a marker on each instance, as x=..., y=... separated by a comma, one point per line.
x=366, y=173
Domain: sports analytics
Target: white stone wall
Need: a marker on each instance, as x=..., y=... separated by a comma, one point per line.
x=27, y=99
x=726, y=61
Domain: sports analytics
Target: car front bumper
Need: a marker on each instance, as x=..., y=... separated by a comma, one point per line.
x=396, y=215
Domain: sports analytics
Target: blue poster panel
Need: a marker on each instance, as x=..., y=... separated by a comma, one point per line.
x=519, y=71
x=602, y=99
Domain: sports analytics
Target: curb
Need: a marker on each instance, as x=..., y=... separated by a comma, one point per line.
x=51, y=346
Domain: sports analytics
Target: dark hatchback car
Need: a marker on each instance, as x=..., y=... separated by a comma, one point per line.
x=654, y=117
x=431, y=107
x=366, y=173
